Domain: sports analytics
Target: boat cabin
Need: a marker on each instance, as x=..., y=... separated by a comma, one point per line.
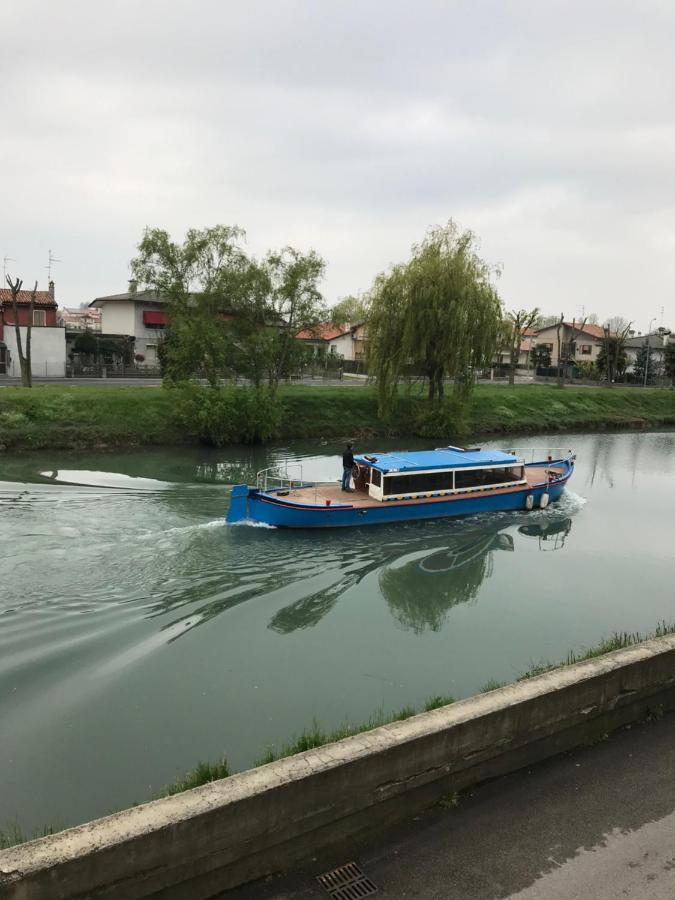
x=435, y=473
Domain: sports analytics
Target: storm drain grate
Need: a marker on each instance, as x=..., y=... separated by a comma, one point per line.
x=347, y=882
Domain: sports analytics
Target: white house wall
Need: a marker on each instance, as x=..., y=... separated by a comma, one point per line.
x=48, y=351
x=550, y=336
x=147, y=339
x=344, y=346
x=118, y=317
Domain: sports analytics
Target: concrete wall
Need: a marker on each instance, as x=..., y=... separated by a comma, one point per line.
x=48, y=351
x=215, y=837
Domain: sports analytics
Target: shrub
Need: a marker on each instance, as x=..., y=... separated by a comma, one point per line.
x=442, y=420
x=227, y=415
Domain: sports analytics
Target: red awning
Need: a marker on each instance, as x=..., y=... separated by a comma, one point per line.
x=154, y=317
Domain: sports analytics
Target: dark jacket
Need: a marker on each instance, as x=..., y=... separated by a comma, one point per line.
x=347, y=459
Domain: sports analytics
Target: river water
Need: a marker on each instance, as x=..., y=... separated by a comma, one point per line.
x=140, y=634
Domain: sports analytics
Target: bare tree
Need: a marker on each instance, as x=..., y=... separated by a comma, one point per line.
x=617, y=324
x=518, y=322
x=24, y=359
x=571, y=354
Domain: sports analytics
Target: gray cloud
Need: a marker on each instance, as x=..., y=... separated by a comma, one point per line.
x=547, y=128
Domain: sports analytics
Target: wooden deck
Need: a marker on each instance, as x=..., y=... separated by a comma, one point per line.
x=320, y=494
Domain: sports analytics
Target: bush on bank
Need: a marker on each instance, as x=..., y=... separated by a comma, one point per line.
x=225, y=414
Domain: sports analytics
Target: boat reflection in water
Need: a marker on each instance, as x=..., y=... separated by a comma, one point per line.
x=421, y=592
x=551, y=533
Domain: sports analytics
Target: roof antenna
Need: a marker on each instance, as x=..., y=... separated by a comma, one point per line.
x=52, y=260
x=5, y=260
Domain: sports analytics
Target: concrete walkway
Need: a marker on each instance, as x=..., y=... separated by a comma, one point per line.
x=597, y=824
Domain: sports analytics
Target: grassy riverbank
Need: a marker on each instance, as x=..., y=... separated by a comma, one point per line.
x=59, y=417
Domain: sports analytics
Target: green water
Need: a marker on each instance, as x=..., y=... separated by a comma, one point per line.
x=139, y=633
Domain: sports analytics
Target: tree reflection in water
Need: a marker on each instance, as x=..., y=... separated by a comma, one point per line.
x=421, y=592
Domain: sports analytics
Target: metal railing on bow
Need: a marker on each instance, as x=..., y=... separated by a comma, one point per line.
x=542, y=454
x=275, y=478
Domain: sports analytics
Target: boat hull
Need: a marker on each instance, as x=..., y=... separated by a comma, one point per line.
x=251, y=505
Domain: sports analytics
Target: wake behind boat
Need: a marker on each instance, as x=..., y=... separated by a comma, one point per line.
x=407, y=486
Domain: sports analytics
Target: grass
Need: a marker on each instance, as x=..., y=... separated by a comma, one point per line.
x=619, y=640
x=13, y=834
x=315, y=736
x=56, y=416
x=51, y=416
x=492, y=685
x=203, y=773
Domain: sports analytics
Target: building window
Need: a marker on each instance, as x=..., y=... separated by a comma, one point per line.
x=586, y=349
x=549, y=347
x=39, y=317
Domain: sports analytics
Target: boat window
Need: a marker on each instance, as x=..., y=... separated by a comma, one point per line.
x=376, y=477
x=486, y=477
x=418, y=483
x=428, y=482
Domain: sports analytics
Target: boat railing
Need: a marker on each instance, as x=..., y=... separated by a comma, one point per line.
x=276, y=478
x=542, y=454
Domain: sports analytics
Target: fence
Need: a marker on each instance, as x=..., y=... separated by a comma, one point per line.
x=77, y=370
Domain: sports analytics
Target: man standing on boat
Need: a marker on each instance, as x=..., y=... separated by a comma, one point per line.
x=347, y=466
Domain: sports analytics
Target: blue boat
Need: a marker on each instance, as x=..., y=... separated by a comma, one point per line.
x=407, y=486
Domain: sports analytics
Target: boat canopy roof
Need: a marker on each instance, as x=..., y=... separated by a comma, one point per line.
x=441, y=458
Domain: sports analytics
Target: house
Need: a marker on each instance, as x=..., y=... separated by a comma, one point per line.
x=137, y=314
x=48, y=342
x=322, y=336
x=658, y=341
x=343, y=344
x=502, y=358
x=85, y=319
x=346, y=341
x=586, y=342
x=359, y=341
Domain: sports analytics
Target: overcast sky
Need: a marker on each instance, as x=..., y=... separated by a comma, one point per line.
x=548, y=128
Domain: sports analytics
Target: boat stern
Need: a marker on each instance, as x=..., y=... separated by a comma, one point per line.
x=238, y=511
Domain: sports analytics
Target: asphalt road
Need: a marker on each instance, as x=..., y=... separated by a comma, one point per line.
x=597, y=823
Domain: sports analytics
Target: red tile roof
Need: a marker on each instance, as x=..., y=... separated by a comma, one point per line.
x=42, y=298
x=322, y=332
x=591, y=330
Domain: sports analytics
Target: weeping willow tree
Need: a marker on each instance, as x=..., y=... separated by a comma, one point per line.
x=438, y=315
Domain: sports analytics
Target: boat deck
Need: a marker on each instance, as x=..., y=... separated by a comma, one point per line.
x=333, y=495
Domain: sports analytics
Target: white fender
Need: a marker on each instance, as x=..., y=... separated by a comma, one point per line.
x=529, y=501
x=543, y=503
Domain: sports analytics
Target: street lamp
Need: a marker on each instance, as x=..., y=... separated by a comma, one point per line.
x=647, y=357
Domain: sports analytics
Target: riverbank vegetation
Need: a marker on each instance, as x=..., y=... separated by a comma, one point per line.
x=58, y=417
